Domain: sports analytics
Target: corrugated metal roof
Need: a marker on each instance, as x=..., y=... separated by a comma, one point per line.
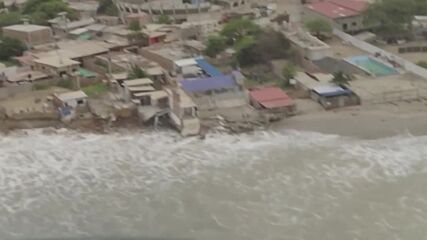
x=210, y=83
x=338, y=8
x=330, y=90
x=208, y=68
x=271, y=97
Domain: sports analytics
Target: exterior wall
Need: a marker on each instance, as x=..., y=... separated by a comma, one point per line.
x=316, y=54
x=165, y=63
x=309, y=46
x=225, y=99
x=337, y=101
x=126, y=8
x=354, y=23
x=30, y=38
x=188, y=125
x=73, y=103
x=52, y=70
x=143, y=19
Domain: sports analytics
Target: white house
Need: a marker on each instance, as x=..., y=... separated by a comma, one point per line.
x=74, y=99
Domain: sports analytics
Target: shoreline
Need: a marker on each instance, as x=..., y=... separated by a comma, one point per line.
x=364, y=124
x=358, y=122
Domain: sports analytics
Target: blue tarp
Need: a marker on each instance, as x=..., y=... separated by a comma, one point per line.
x=208, y=68
x=65, y=111
x=206, y=84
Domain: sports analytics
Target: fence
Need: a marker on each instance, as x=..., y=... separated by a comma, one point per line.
x=395, y=96
x=405, y=64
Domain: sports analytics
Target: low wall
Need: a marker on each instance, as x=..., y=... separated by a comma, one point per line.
x=405, y=64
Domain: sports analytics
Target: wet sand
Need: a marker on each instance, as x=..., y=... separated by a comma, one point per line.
x=373, y=123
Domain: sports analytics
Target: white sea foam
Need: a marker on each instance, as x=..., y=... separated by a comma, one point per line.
x=260, y=185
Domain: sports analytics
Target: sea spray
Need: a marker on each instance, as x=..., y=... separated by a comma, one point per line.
x=259, y=185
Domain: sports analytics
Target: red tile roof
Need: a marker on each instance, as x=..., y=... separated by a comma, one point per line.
x=271, y=97
x=338, y=8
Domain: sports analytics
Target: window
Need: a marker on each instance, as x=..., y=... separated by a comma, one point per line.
x=345, y=26
x=188, y=112
x=354, y=24
x=145, y=100
x=80, y=101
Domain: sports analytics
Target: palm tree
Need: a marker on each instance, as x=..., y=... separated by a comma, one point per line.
x=341, y=78
x=136, y=72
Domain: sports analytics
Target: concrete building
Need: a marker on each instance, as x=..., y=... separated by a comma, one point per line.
x=78, y=50
x=309, y=47
x=183, y=112
x=134, y=90
x=210, y=93
x=142, y=18
x=332, y=96
x=71, y=99
x=345, y=15
x=55, y=66
x=61, y=25
x=178, y=9
x=29, y=34
x=71, y=104
x=85, y=9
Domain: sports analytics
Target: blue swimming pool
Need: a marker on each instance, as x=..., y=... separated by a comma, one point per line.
x=372, y=66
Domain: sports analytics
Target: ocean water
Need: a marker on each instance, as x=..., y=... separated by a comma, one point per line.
x=262, y=185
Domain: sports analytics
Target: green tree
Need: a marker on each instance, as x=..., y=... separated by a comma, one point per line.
x=261, y=49
x=10, y=47
x=13, y=8
x=135, y=26
x=136, y=72
x=164, y=19
x=10, y=18
x=107, y=7
x=393, y=18
x=318, y=27
x=288, y=72
x=341, y=78
x=43, y=10
x=215, y=45
x=422, y=64
x=238, y=28
x=244, y=43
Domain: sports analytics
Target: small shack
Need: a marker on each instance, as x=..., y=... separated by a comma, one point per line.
x=73, y=99
x=71, y=104
x=333, y=96
x=273, y=102
x=132, y=87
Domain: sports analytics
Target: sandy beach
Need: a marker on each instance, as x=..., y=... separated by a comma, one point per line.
x=372, y=122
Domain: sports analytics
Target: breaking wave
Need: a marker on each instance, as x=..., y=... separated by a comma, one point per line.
x=262, y=185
